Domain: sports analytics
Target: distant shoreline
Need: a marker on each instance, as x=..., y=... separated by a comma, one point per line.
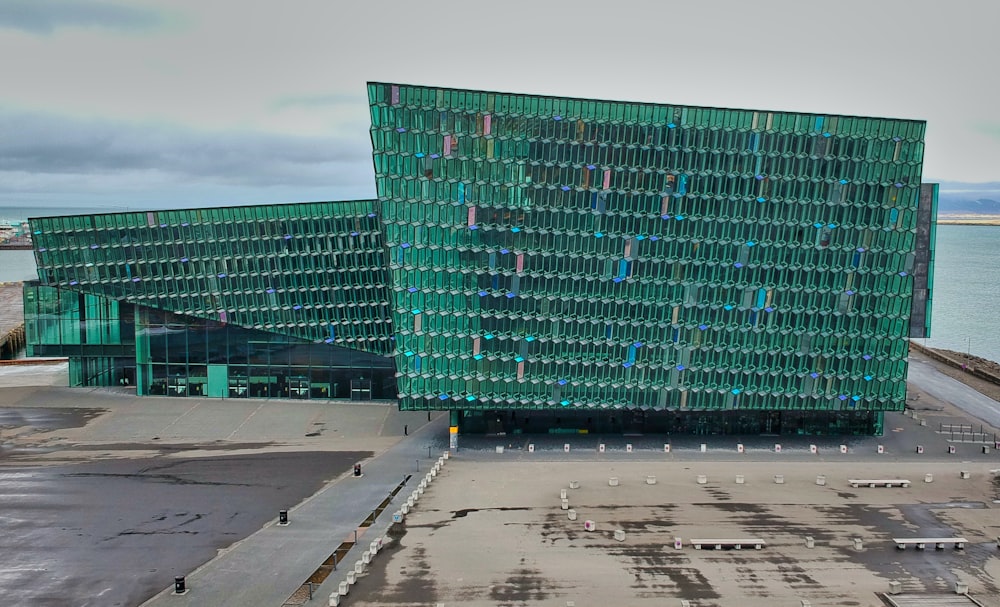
x=969, y=220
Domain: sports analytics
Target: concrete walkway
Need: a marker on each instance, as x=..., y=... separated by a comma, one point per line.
x=953, y=392
x=270, y=565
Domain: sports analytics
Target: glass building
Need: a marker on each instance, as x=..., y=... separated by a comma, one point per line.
x=573, y=254
x=533, y=263
x=258, y=301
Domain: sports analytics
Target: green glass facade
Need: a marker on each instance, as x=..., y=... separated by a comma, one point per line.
x=726, y=270
x=268, y=301
x=552, y=253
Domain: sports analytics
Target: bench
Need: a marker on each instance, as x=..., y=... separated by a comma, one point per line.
x=890, y=482
x=718, y=544
x=921, y=542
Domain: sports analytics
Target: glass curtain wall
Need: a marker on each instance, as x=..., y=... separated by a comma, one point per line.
x=548, y=252
x=181, y=356
x=313, y=271
x=96, y=333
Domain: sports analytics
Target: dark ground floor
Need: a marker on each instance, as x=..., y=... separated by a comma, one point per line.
x=695, y=423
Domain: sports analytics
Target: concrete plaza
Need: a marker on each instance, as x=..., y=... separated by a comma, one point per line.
x=490, y=531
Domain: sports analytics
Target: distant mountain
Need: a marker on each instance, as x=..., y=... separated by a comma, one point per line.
x=955, y=205
x=964, y=198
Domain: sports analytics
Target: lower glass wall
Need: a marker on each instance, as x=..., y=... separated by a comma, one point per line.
x=184, y=356
x=101, y=371
x=693, y=423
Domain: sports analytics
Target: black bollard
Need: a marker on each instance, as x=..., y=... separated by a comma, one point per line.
x=179, y=586
x=282, y=517
x=357, y=469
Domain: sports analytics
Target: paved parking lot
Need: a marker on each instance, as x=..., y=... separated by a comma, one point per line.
x=157, y=487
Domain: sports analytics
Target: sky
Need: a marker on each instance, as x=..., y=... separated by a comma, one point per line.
x=135, y=104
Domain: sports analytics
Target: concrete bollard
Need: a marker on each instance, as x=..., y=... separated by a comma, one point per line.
x=666, y=447
x=571, y=515
x=359, y=567
x=589, y=526
x=343, y=588
x=951, y=449
x=562, y=494
x=961, y=588
x=620, y=535
x=739, y=448
x=813, y=449
x=678, y=543
x=650, y=480
x=352, y=578
x=858, y=544
x=574, y=484
x=410, y=501
x=923, y=422
x=565, y=504
x=740, y=479
x=820, y=479
x=920, y=449
x=420, y=490
x=704, y=447
x=779, y=479
x=928, y=478
x=843, y=449
x=445, y=455
x=566, y=447
x=628, y=448
x=964, y=474
x=702, y=479
x=434, y=472
x=985, y=449
x=397, y=516
x=334, y=600
x=405, y=509
x=880, y=449
x=810, y=542
x=613, y=481
x=804, y=603
x=895, y=587
x=499, y=449
x=366, y=558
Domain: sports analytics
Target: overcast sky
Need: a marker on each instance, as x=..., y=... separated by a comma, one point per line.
x=110, y=104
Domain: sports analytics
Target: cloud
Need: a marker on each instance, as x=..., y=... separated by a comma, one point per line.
x=45, y=16
x=322, y=100
x=971, y=188
x=41, y=151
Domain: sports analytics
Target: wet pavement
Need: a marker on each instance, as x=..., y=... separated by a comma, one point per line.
x=114, y=533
